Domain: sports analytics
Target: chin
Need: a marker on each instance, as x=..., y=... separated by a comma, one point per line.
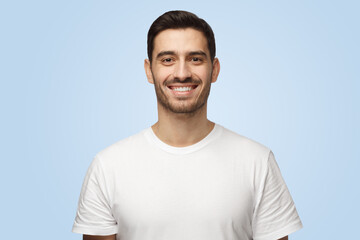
x=184, y=109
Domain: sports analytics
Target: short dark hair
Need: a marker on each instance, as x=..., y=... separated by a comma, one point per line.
x=176, y=20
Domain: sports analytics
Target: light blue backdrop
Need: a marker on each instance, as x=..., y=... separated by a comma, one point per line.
x=72, y=83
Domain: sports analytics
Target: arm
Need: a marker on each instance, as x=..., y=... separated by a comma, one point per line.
x=91, y=237
x=284, y=238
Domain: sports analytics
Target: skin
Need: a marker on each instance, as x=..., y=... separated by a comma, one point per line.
x=93, y=237
x=180, y=58
x=182, y=120
x=113, y=237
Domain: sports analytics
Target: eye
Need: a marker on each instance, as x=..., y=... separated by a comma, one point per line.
x=196, y=60
x=167, y=60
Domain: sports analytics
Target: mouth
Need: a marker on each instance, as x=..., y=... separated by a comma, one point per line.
x=182, y=88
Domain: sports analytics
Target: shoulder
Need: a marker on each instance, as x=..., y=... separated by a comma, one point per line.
x=243, y=145
x=122, y=149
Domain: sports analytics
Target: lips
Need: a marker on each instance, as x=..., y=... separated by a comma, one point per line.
x=182, y=88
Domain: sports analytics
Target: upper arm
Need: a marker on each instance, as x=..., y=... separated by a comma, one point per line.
x=92, y=237
x=275, y=215
x=95, y=215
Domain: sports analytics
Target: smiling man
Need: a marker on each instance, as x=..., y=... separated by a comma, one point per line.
x=185, y=177
x=184, y=70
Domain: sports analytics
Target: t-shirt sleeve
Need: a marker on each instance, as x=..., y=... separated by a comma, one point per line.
x=94, y=216
x=275, y=215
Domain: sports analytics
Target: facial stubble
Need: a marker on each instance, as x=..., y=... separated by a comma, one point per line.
x=183, y=108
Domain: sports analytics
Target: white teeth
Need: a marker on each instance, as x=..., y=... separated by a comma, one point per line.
x=182, y=89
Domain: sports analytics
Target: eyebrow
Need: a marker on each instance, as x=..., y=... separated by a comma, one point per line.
x=197, y=53
x=163, y=53
x=193, y=53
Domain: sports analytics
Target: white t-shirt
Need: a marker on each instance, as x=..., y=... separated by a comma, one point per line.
x=225, y=187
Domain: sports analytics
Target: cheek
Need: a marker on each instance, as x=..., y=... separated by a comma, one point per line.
x=203, y=73
x=163, y=74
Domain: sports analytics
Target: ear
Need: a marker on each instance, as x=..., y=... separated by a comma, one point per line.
x=215, y=70
x=147, y=67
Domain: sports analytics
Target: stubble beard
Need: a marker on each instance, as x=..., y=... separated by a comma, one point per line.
x=181, y=106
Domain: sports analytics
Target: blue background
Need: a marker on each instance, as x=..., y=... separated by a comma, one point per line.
x=72, y=83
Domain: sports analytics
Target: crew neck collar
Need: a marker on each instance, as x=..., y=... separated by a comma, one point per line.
x=151, y=136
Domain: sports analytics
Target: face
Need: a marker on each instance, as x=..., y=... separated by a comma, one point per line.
x=181, y=70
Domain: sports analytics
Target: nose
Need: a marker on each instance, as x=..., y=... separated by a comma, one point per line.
x=182, y=71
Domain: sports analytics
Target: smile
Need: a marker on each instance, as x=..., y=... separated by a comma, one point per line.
x=182, y=88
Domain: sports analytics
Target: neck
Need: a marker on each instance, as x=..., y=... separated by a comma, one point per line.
x=181, y=130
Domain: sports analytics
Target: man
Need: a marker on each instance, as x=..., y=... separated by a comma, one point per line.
x=185, y=177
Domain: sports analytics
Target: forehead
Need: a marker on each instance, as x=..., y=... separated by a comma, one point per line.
x=180, y=41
